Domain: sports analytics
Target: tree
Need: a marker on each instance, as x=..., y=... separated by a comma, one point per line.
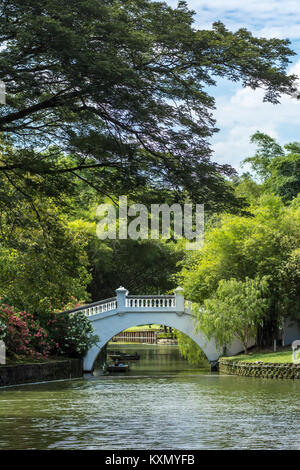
x=246, y=187
x=236, y=310
x=243, y=247
x=120, y=86
x=143, y=266
x=190, y=350
x=43, y=264
x=277, y=167
x=285, y=173
x=268, y=150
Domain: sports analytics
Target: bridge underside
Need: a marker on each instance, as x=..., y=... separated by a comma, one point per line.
x=114, y=322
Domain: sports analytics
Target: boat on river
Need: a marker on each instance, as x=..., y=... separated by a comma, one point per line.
x=117, y=369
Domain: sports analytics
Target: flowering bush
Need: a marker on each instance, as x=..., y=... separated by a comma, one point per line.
x=72, y=334
x=24, y=335
x=64, y=335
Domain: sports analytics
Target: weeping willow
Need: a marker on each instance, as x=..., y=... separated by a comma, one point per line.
x=190, y=350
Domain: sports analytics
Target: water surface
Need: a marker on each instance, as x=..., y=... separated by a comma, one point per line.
x=162, y=403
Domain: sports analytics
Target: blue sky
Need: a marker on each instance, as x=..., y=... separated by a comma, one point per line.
x=240, y=111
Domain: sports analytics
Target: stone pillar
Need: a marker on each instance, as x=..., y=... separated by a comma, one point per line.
x=179, y=299
x=121, y=297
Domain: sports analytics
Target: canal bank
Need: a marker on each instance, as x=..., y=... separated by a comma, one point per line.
x=17, y=374
x=260, y=369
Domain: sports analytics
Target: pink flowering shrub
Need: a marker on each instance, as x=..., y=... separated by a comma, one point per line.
x=24, y=335
x=60, y=335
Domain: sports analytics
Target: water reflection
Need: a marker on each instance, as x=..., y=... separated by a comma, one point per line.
x=154, y=360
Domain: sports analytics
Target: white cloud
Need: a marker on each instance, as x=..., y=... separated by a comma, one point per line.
x=240, y=115
x=241, y=112
x=269, y=18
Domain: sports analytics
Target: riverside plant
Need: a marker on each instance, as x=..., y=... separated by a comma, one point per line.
x=24, y=336
x=63, y=335
x=72, y=334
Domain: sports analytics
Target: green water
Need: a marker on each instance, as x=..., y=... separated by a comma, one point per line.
x=162, y=403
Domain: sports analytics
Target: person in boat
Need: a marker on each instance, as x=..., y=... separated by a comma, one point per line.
x=118, y=363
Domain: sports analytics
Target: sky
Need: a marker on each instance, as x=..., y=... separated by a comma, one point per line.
x=240, y=111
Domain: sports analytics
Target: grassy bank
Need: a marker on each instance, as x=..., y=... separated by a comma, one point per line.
x=283, y=356
x=144, y=328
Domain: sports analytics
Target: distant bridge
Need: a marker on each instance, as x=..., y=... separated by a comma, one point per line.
x=111, y=316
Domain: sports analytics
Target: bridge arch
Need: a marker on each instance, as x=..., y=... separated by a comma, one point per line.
x=110, y=326
x=111, y=316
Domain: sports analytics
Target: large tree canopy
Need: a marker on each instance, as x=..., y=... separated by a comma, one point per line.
x=122, y=87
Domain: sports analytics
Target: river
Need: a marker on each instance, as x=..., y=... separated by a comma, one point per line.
x=162, y=403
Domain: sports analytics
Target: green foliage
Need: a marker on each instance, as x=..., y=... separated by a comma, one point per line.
x=72, y=334
x=165, y=335
x=189, y=349
x=43, y=264
x=282, y=357
x=61, y=335
x=289, y=277
x=246, y=187
x=102, y=101
x=277, y=167
x=235, y=311
x=24, y=335
x=124, y=95
x=268, y=150
x=257, y=246
x=144, y=266
x=42, y=271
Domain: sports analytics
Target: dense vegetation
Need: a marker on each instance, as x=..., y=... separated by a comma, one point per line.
x=108, y=98
x=246, y=277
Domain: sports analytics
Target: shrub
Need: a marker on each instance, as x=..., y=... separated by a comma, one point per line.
x=24, y=336
x=72, y=334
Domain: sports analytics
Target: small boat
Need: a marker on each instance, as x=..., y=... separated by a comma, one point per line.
x=133, y=357
x=121, y=368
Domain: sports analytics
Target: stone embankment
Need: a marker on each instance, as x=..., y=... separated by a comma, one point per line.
x=16, y=374
x=259, y=369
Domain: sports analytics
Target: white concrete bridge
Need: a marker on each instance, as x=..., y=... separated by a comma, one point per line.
x=111, y=316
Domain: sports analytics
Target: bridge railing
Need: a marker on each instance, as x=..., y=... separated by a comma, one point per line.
x=130, y=303
x=150, y=301
x=96, y=307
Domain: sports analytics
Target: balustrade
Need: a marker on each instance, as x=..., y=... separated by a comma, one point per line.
x=125, y=301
